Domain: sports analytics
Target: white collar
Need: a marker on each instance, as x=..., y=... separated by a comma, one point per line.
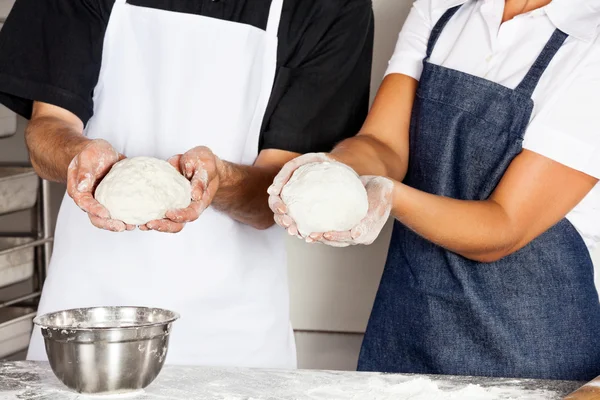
x=577, y=18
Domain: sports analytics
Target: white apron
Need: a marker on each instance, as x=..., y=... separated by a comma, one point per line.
x=170, y=82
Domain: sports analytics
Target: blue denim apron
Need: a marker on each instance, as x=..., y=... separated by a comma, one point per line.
x=533, y=314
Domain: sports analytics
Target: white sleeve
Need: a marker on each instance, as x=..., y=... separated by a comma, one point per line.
x=567, y=128
x=412, y=41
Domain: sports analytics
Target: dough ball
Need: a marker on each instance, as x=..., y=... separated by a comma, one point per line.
x=141, y=189
x=325, y=197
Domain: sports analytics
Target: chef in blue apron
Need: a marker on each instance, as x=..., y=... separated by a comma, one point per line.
x=232, y=89
x=489, y=115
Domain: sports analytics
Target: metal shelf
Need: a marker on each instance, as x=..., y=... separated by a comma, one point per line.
x=40, y=233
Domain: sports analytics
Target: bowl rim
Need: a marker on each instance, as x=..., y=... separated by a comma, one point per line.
x=37, y=320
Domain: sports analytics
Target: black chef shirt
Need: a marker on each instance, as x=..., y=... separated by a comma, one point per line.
x=51, y=51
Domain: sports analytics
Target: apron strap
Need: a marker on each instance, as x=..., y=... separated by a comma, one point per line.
x=438, y=28
x=531, y=80
x=275, y=17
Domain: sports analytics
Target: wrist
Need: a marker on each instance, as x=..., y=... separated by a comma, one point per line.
x=224, y=170
x=398, y=193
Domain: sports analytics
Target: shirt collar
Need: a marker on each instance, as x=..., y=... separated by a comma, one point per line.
x=577, y=18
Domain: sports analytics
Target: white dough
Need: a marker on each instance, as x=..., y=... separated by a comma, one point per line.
x=325, y=197
x=141, y=189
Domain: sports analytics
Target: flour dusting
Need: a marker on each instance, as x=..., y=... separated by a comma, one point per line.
x=35, y=381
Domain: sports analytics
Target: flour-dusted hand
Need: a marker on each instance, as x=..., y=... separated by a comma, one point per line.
x=201, y=166
x=85, y=172
x=276, y=203
x=379, y=191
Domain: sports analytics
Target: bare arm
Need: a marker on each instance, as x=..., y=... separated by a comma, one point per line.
x=381, y=148
x=54, y=137
x=243, y=190
x=534, y=194
x=59, y=152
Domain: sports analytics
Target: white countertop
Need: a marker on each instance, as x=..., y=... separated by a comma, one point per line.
x=35, y=381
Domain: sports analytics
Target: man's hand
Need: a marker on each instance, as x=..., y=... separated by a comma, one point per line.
x=85, y=171
x=201, y=167
x=379, y=191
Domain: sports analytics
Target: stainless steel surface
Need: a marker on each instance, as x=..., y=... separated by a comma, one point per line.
x=16, y=260
x=15, y=329
x=20, y=299
x=46, y=229
x=23, y=245
x=18, y=189
x=107, y=349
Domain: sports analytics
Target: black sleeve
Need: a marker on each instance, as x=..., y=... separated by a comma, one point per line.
x=325, y=98
x=51, y=51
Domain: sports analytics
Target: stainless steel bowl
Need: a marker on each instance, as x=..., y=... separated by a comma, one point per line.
x=107, y=349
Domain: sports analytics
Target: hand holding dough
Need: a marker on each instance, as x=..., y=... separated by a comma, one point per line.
x=324, y=201
x=85, y=171
x=141, y=189
x=200, y=166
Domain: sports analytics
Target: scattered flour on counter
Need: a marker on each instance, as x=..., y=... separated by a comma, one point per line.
x=421, y=389
x=108, y=396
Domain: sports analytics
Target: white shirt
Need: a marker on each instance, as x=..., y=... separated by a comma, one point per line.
x=565, y=125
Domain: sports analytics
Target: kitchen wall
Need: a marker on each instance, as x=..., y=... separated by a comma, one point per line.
x=332, y=290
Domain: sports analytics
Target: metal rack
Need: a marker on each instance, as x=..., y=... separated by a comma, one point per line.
x=19, y=299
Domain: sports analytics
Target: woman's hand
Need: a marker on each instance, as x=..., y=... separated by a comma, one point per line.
x=85, y=173
x=379, y=191
x=201, y=167
x=275, y=202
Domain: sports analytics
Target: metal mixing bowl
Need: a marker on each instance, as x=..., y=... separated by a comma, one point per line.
x=107, y=349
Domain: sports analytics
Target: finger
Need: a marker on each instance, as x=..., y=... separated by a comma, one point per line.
x=338, y=236
x=107, y=224
x=130, y=227
x=293, y=230
x=209, y=193
x=165, y=226
x=316, y=236
x=277, y=205
x=199, y=182
x=334, y=244
x=189, y=214
x=89, y=204
x=282, y=178
x=284, y=221
x=143, y=228
x=175, y=161
x=279, y=220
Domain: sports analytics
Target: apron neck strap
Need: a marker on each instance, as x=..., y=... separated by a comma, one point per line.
x=531, y=80
x=275, y=17
x=438, y=28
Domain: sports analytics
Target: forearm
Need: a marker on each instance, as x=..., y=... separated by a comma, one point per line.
x=243, y=194
x=369, y=156
x=479, y=230
x=52, y=144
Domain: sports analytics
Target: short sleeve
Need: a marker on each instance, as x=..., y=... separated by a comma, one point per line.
x=411, y=47
x=324, y=98
x=567, y=127
x=51, y=51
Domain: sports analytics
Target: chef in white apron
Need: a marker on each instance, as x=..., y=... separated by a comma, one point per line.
x=169, y=81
